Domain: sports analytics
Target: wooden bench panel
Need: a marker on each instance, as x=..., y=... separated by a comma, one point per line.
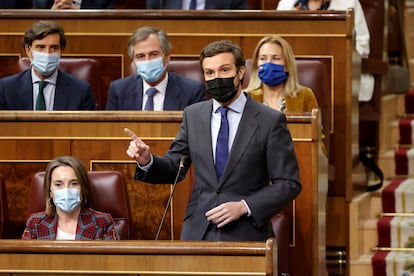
x=139, y=257
x=31, y=139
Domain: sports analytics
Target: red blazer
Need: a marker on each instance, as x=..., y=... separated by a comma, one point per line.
x=92, y=225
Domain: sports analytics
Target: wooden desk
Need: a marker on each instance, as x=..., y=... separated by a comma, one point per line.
x=139, y=257
x=28, y=141
x=323, y=35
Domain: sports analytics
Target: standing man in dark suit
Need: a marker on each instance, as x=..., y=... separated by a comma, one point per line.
x=198, y=5
x=44, y=43
x=150, y=48
x=233, y=201
x=73, y=4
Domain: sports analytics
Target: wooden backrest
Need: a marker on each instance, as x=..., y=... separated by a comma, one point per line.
x=4, y=211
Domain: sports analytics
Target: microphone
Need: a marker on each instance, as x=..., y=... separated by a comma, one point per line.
x=180, y=167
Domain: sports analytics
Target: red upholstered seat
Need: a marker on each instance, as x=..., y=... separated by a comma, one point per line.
x=130, y=4
x=87, y=69
x=108, y=194
x=4, y=211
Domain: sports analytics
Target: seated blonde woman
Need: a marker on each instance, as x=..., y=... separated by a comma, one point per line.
x=274, y=79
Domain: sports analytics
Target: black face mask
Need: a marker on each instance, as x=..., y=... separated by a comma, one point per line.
x=222, y=89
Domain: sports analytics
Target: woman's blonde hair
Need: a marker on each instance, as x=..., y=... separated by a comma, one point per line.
x=292, y=86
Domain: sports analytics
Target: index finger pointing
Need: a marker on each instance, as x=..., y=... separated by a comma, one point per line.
x=132, y=134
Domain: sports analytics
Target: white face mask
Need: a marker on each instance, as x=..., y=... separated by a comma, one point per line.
x=45, y=63
x=67, y=199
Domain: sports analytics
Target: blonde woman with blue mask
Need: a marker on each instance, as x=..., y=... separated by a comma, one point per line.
x=274, y=80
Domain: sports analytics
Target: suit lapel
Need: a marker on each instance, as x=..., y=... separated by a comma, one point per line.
x=176, y=4
x=25, y=91
x=209, y=4
x=245, y=132
x=171, y=101
x=86, y=227
x=136, y=90
x=203, y=133
x=62, y=92
x=47, y=228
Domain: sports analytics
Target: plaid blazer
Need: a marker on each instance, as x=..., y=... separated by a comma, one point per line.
x=92, y=225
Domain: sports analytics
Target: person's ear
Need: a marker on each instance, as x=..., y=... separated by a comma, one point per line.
x=242, y=70
x=167, y=58
x=28, y=51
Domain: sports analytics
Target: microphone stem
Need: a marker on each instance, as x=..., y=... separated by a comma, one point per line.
x=169, y=199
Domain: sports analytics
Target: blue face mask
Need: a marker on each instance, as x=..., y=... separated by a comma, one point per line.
x=67, y=199
x=272, y=74
x=45, y=63
x=150, y=70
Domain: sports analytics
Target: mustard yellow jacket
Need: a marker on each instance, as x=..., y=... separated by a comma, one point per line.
x=305, y=100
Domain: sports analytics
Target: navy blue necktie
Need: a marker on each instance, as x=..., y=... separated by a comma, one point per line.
x=222, y=146
x=40, y=101
x=149, y=105
x=193, y=5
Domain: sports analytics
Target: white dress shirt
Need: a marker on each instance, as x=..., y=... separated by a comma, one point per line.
x=200, y=4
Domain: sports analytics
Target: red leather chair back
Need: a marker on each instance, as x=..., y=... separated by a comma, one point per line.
x=188, y=68
x=130, y=4
x=108, y=194
x=4, y=211
x=87, y=69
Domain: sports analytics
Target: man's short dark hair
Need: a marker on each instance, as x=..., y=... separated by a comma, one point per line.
x=41, y=29
x=223, y=46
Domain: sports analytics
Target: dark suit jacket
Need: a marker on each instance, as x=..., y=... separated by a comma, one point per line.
x=16, y=92
x=15, y=4
x=126, y=94
x=92, y=225
x=86, y=4
x=262, y=153
x=210, y=4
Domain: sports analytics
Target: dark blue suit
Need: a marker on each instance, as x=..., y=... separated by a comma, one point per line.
x=16, y=92
x=127, y=93
x=86, y=4
x=15, y=4
x=210, y=4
